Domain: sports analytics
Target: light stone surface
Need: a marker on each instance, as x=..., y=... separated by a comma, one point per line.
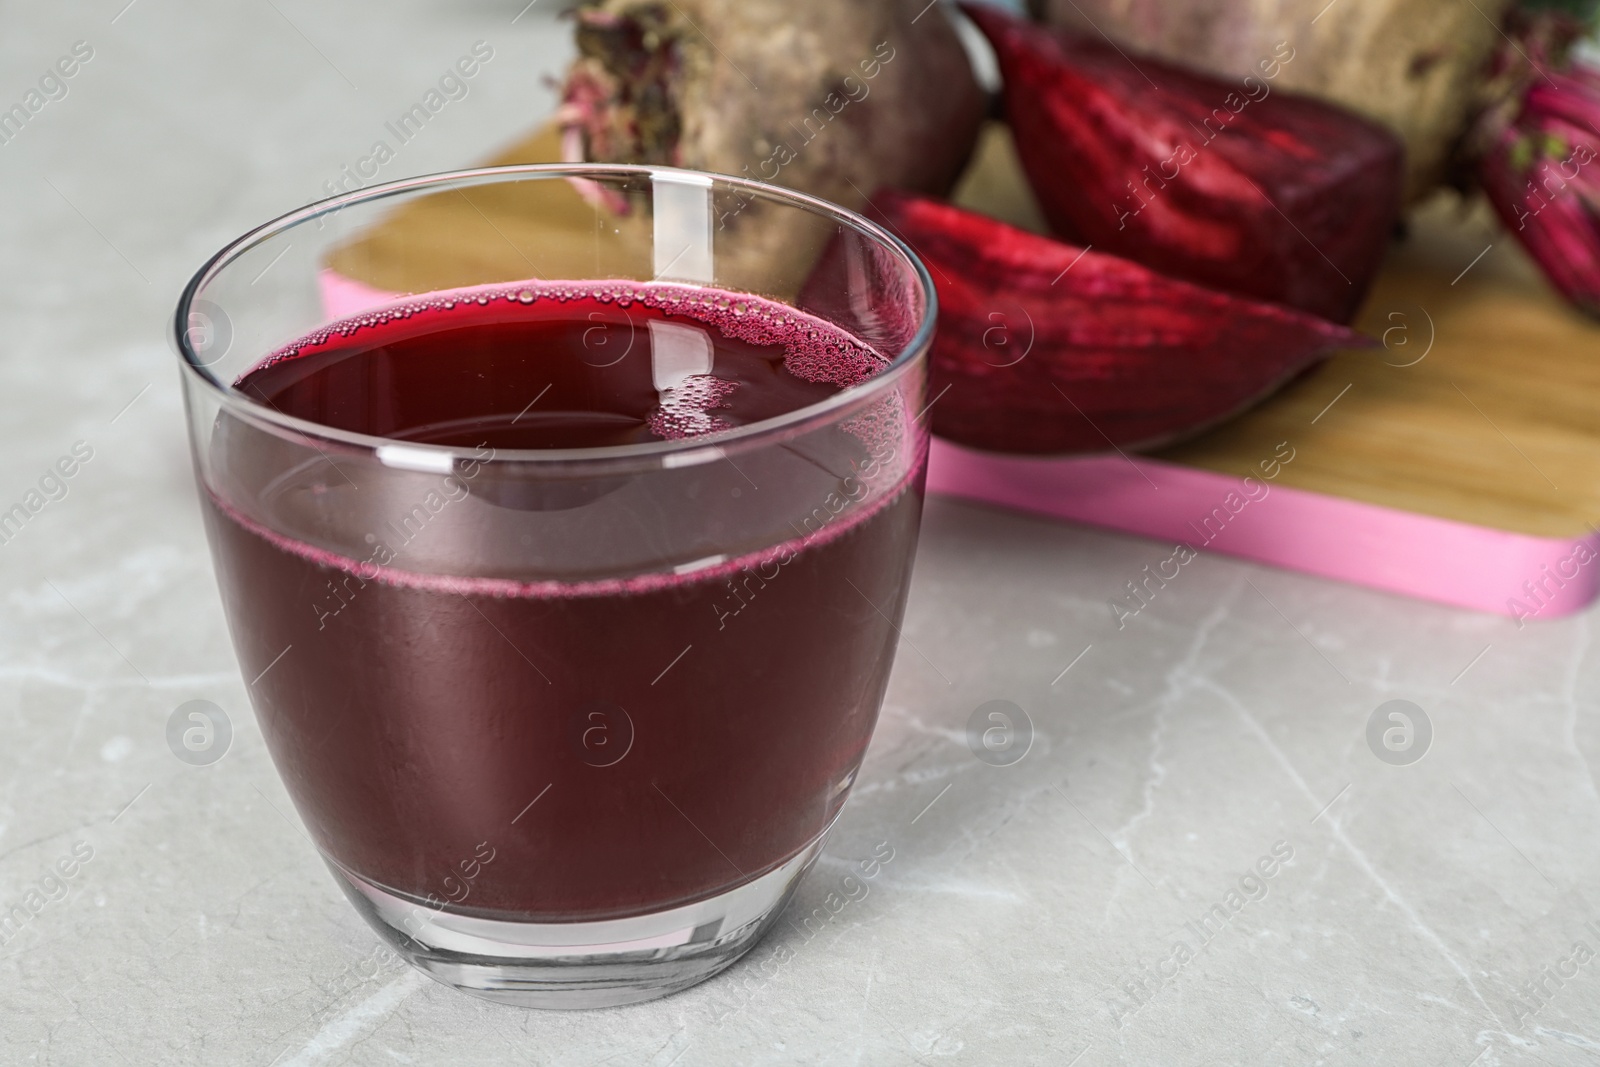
x=1030, y=911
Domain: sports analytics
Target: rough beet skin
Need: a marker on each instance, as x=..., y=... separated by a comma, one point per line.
x=1231, y=184
x=1043, y=347
x=833, y=99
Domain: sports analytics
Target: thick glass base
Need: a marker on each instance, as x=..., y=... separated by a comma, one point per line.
x=580, y=964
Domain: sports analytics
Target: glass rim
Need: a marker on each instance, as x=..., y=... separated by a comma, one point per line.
x=243, y=404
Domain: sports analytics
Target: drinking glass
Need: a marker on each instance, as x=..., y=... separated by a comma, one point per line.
x=567, y=725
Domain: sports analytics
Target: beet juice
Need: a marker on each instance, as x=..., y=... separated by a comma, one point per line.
x=505, y=694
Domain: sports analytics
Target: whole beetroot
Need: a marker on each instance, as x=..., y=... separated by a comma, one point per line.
x=831, y=98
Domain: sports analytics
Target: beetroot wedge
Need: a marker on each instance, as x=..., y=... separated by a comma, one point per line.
x=1232, y=184
x=1044, y=347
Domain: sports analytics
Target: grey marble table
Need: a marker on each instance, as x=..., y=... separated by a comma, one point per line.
x=1199, y=860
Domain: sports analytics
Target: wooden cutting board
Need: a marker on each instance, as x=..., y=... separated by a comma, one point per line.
x=1459, y=462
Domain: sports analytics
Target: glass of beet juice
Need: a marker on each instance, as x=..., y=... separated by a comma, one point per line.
x=563, y=517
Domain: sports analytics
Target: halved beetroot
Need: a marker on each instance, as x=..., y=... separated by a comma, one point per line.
x=1235, y=185
x=1043, y=347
